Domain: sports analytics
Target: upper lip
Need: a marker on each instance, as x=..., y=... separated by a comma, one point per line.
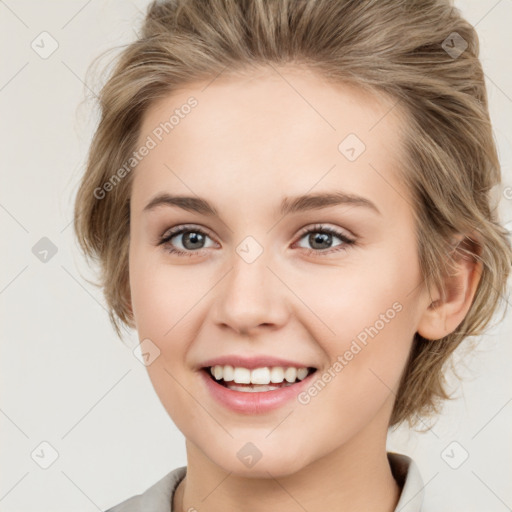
x=253, y=362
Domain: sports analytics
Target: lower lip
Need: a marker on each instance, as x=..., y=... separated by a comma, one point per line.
x=253, y=402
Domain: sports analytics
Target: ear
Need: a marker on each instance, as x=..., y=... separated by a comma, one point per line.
x=444, y=314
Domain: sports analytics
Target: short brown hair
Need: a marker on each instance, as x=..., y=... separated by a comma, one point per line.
x=423, y=55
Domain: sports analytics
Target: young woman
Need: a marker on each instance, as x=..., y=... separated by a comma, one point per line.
x=290, y=201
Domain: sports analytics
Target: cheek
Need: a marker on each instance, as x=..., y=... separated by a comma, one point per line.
x=161, y=298
x=372, y=316
x=367, y=357
x=365, y=293
x=161, y=294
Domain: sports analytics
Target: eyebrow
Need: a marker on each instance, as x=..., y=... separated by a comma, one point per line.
x=288, y=205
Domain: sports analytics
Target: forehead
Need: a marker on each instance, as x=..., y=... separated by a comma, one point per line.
x=284, y=126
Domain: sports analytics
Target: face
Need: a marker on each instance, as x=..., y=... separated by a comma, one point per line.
x=333, y=285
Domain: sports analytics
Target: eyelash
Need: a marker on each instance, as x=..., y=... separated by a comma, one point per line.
x=317, y=228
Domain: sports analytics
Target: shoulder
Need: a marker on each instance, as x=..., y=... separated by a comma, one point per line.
x=408, y=477
x=157, y=498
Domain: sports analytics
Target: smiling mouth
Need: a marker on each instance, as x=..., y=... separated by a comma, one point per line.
x=235, y=386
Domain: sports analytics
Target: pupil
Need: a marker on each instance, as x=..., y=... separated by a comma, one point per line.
x=320, y=238
x=193, y=238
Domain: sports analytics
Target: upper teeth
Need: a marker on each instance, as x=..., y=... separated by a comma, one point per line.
x=264, y=375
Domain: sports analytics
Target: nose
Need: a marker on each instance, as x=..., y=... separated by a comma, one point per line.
x=250, y=298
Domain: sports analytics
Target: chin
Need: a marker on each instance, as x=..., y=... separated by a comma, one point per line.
x=276, y=463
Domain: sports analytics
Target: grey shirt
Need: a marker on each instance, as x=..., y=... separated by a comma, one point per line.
x=159, y=497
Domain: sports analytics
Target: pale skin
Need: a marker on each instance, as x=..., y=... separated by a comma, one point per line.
x=247, y=145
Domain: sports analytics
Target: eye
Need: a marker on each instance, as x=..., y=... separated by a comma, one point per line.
x=191, y=239
x=320, y=237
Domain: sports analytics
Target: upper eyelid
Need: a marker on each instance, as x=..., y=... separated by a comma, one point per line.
x=180, y=229
x=327, y=227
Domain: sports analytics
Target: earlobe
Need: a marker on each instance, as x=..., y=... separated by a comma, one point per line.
x=444, y=314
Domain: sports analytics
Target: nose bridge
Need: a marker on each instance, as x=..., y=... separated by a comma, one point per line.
x=250, y=294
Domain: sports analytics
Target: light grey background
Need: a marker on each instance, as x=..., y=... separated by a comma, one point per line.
x=68, y=381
